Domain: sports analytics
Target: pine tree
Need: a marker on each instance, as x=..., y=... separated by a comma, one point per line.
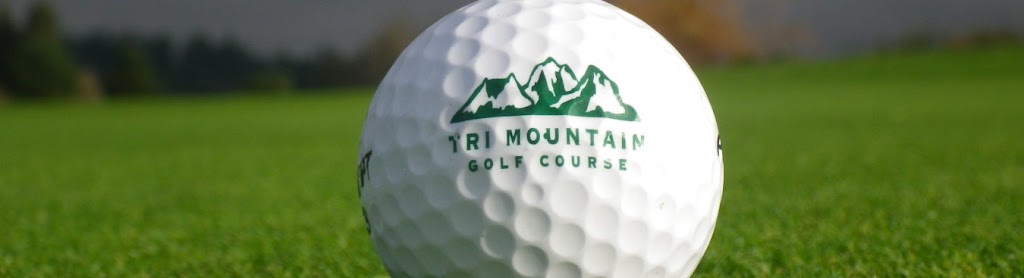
x=8, y=38
x=42, y=65
x=133, y=72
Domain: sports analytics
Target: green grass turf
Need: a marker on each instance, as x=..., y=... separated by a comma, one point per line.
x=886, y=165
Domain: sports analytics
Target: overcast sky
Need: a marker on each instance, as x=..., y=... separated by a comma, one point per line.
x=815, y=27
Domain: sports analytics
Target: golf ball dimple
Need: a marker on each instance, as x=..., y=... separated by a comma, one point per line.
x=546, y=138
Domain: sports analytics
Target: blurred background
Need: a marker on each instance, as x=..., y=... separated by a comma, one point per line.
x=218, y=137
x=106, y=49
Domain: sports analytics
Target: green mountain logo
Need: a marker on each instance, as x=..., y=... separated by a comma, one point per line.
x=552, y=90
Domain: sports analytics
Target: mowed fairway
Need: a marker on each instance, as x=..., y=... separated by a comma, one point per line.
x=891, y=165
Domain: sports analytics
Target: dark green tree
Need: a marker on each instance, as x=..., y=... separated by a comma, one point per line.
x=42, y=66
x=42, y=21
x=207, y=66
x=327, y=69
x=8, y=38
x=132, y=73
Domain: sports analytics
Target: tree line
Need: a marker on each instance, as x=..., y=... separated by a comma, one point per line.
x=37, y=62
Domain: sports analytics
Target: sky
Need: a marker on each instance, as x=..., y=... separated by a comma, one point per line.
x=804, y=27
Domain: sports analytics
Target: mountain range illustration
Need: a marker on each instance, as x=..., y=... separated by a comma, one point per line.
x=552, y=90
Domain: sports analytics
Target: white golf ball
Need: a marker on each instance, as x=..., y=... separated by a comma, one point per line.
x=541, y=138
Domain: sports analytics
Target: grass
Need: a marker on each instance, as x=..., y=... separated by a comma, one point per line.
x=887, y=165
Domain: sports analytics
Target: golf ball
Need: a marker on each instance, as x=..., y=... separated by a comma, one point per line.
x=541, y=138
